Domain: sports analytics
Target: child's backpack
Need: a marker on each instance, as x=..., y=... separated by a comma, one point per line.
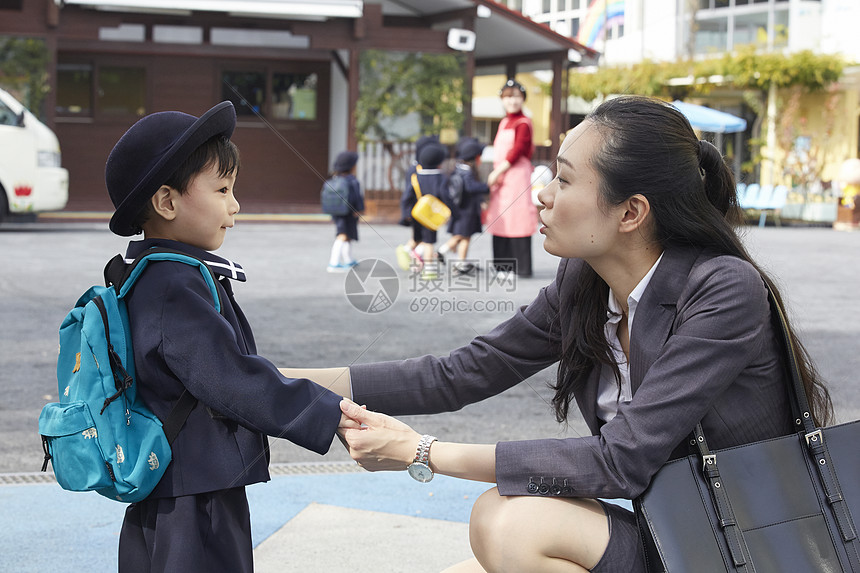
x=429, y=210
x=456, y=188
x=101, y=436
x=334, y=196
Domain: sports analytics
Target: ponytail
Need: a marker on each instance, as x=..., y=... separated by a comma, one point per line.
x=719, y=181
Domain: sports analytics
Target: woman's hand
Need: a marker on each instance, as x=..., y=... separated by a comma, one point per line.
x=496, y=174
x=376, y=441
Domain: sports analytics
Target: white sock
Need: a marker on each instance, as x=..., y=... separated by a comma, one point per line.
x=346, y=252
x=444, y=249
x=334, y=258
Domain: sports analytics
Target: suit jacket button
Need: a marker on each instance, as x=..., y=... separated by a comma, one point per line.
x=533, y=487
x=555, y=489
x=543, y=489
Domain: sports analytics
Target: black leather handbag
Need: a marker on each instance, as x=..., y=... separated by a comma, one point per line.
x=788, y=504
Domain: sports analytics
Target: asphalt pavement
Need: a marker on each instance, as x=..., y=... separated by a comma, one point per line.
x=322, y=513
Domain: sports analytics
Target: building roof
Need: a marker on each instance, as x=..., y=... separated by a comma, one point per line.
x=502, y=35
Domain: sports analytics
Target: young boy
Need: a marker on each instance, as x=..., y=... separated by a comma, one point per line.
x=430, y=181
x=346, y=226
x=172, y=176
x=466, y=215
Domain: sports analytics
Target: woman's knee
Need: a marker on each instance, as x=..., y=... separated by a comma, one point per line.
x=496, y=532
x=487, y=527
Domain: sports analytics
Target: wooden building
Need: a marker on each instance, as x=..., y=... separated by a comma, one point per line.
x=290, y=66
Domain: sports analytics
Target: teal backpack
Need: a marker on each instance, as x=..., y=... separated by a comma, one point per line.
x=101, y=436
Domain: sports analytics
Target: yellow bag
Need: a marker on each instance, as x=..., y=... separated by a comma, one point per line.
x=429, y=211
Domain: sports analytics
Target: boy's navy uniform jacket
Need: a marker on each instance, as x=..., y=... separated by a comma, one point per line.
x=181, y=341
x=466, y=217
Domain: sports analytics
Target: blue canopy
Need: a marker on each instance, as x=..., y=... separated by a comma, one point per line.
x=707, y=119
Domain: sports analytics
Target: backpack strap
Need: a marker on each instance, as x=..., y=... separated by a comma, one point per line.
x=178, y=414
x=415, y=186
x=117, y=273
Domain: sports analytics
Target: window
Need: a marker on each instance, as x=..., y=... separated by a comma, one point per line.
x=712, y=36
x=280, y=96
x=751, y=30
x=74, y=90
x=294, y=96
x=7, y=116
x=121, y=91
x=247, y=91
x=85, y=90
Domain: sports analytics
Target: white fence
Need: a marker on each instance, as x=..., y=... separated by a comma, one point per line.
x=382, y=167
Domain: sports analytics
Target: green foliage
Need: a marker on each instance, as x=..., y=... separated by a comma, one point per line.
x=745, y=69
x=395, y=84
x=24, y=69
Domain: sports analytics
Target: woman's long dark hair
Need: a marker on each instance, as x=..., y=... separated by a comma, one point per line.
x=650, y=149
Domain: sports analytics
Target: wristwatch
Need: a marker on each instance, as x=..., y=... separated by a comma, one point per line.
x=419, y=469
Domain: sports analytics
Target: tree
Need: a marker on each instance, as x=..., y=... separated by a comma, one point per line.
x=24, y=69
x=752, y=72
x=396, y=84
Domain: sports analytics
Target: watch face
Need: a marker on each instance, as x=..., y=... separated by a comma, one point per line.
x=420, y=472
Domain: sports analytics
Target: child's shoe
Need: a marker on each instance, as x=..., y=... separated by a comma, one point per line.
x=463, y=269
x=416, y=263
x=430, y=272
x=337, y=268
x=350, y=264
x=403, y=258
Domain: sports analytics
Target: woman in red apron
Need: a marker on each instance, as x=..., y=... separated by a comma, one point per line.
x=512, y=217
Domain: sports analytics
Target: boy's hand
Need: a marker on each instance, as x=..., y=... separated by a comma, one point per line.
x=379, y=442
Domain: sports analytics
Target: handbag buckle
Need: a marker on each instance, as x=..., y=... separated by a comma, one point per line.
x=814, y=438
x=708, y=460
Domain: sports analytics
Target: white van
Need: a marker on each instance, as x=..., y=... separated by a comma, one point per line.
x=31, y=179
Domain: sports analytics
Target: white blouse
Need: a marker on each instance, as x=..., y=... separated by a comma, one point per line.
x=608, y=395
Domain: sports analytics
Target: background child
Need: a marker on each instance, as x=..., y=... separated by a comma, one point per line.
x=466, y=215
x=346, y=226
x=407, y=202
x=430, y=181
x=172, y=176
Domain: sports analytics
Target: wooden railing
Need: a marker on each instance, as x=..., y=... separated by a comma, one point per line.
x=382, y=166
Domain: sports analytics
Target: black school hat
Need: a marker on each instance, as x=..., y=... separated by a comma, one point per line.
x=432, y=155
x=468, y=148
x=345, y=161
x=150, y=151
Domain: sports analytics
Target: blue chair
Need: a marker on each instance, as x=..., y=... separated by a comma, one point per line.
x=775, y=202
x=750, y=196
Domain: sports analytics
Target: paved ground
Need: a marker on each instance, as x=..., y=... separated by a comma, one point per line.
x=317, y=514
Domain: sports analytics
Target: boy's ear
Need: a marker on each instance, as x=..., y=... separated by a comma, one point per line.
x=163, y=202
x=636, y=212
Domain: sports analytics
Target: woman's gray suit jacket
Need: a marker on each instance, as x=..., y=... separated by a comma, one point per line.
x=702, y=348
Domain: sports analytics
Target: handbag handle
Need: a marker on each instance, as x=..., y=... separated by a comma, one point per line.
x=816, y=448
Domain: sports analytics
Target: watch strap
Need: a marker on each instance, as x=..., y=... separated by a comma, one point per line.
x=422, y=454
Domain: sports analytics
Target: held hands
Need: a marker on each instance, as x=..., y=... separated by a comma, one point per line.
x=376, y=441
